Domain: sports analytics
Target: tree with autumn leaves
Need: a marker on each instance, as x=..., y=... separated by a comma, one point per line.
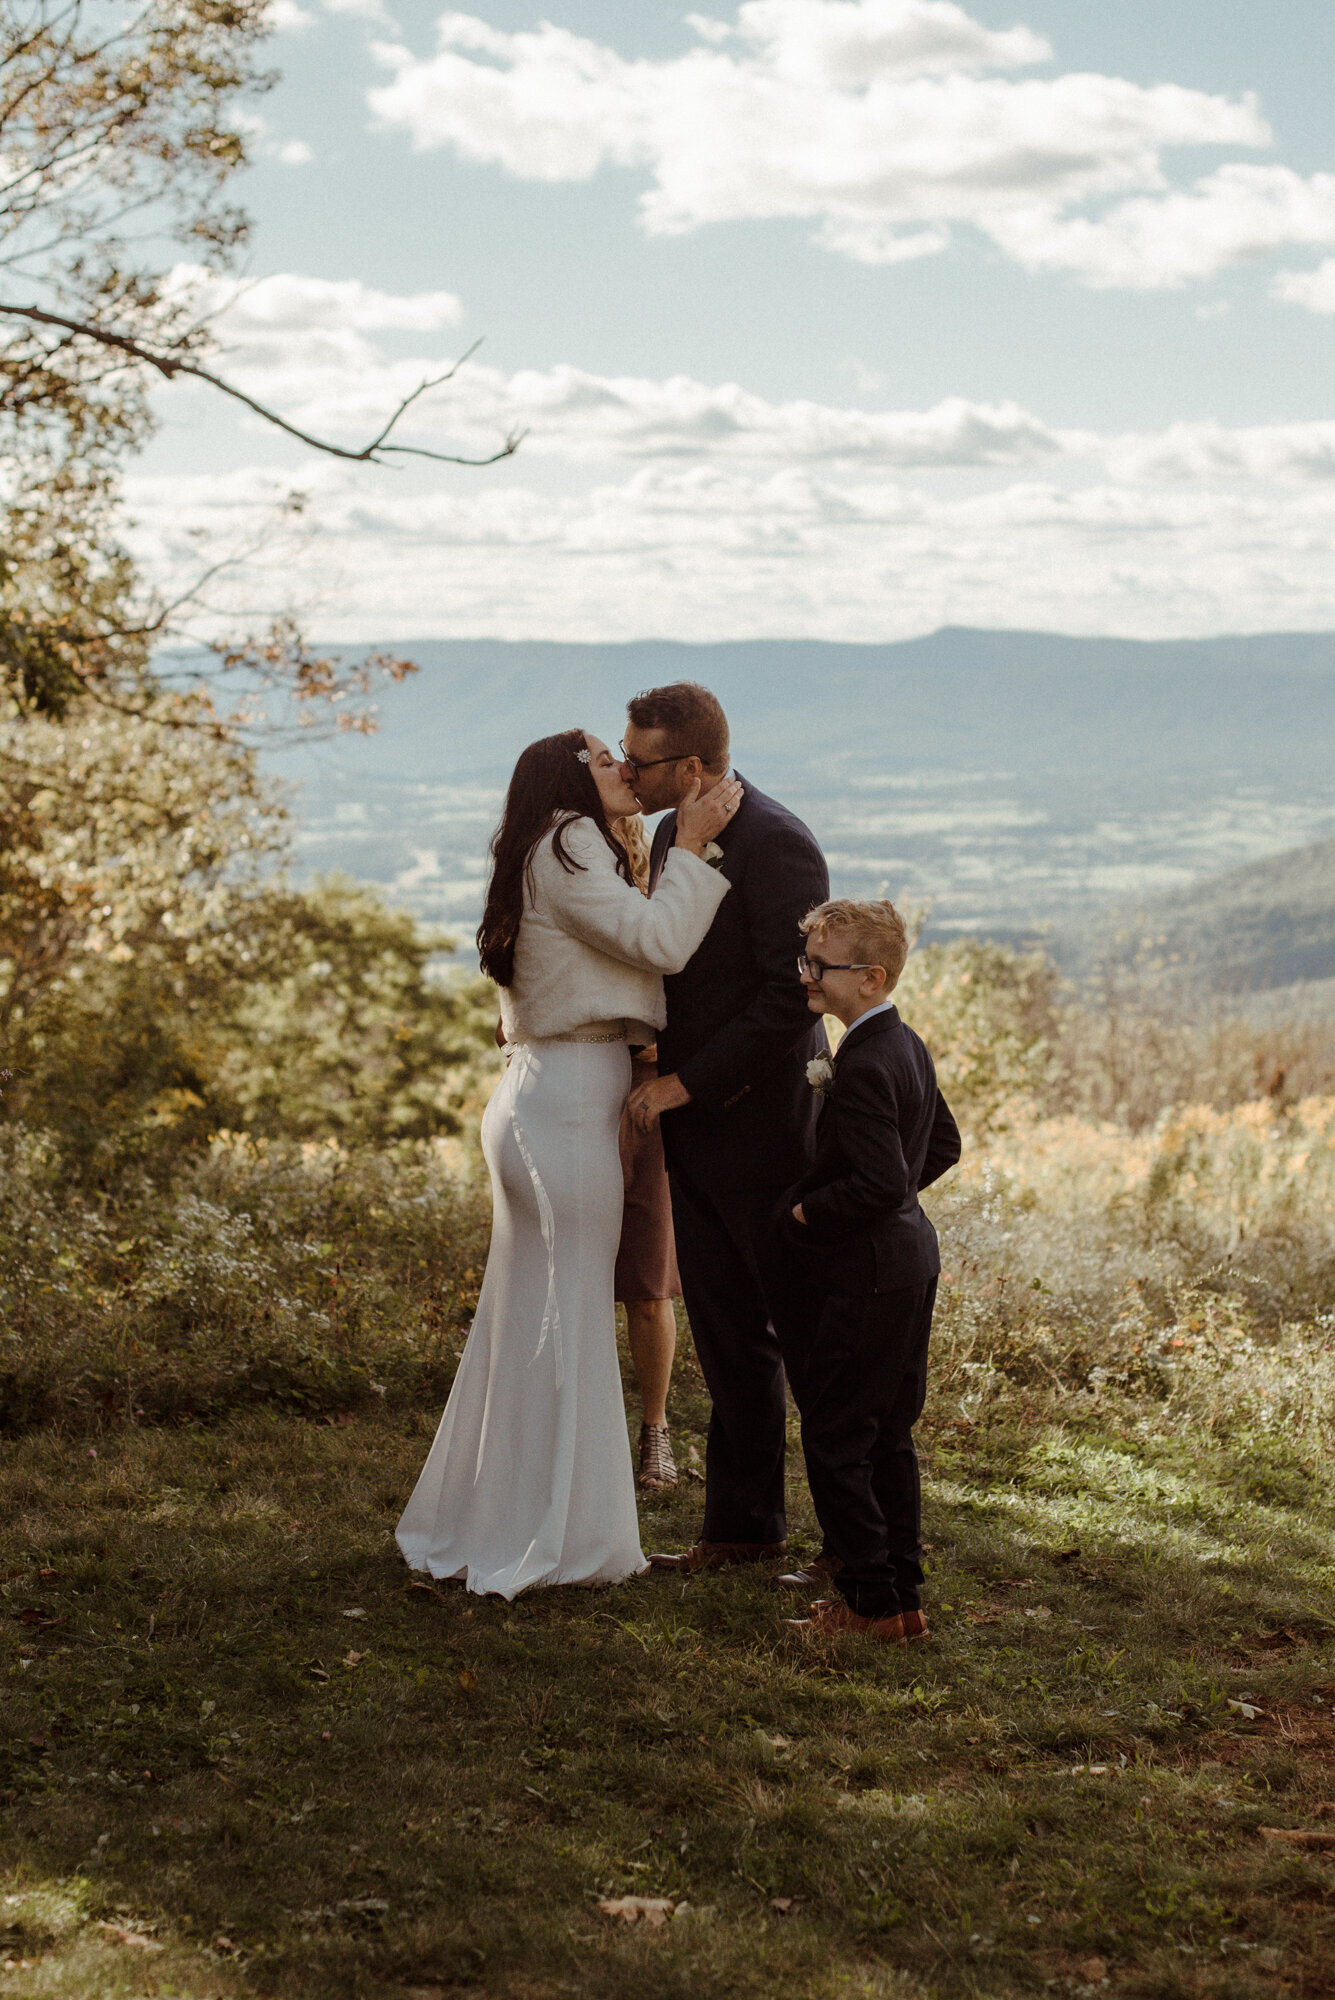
x=140, y=912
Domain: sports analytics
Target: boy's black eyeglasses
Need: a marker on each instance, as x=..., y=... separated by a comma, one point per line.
x=638, y=764
x=816, y=968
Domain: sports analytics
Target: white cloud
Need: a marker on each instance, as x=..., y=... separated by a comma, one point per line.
x=287, y=17
x=581, y=414
x=1204, y=452
x=288, y=302
x=711, y=552
x=702, y=510
x=299, y=344
x=254, y=129
x=1236, y=215
x=1313, y=289
x=873, y=119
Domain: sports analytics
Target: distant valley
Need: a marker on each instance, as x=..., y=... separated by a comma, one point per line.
x=1021, y=782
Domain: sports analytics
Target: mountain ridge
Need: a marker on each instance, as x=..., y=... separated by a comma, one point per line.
x=1019, y=780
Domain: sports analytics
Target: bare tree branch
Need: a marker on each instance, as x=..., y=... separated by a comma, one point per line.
x=171, y=365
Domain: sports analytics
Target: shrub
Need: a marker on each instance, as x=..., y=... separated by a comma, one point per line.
x=311, y=1275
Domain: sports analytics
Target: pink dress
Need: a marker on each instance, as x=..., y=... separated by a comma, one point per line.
x=646, y=1266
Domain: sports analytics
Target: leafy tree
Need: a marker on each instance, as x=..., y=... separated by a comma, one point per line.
x=349, y=1033
x=990, y=1017
x=119, y=132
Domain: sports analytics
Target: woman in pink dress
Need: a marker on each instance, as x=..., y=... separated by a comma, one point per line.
x=646, y=1267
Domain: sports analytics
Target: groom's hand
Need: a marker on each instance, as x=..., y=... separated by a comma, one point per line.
x=647, y=1103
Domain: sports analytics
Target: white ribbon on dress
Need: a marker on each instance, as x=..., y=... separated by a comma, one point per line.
x=551, y=1318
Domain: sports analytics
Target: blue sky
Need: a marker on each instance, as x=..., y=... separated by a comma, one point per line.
x=834, y=317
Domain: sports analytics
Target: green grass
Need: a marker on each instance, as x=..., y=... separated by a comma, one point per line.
x=204, y=1751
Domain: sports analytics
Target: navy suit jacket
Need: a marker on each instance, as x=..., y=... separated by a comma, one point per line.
x=739, y=1033
x=885, y=1131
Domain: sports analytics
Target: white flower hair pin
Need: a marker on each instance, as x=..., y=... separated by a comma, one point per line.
x=583, y=756
x=820, y=1074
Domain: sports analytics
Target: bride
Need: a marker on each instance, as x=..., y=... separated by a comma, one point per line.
x=529, y=1480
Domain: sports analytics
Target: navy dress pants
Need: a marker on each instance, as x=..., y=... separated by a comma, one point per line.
x=858, y=1367
x=722, y=1237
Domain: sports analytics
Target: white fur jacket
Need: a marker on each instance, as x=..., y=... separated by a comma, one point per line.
x=592, y=948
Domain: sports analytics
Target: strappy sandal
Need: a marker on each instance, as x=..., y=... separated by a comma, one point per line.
x=658, y=1468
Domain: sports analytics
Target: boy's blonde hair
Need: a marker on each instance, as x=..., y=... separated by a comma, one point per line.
x=876, y=932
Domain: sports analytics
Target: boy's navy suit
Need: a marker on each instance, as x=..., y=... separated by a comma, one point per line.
x=862, y=1285
x=739, y=1035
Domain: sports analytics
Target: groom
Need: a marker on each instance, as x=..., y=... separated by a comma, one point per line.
x=738, y=1114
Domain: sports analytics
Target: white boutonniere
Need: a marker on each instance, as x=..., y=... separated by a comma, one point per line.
x=820, y=1074
x=713, y=854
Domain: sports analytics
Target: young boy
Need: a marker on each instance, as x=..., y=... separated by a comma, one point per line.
x=864, y=1265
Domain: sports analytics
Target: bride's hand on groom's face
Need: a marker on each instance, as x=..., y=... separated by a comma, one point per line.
x=699, y=819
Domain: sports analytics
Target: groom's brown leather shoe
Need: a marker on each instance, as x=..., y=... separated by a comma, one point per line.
x=718, y=1555
x=822, y=1569
x=831, y=1618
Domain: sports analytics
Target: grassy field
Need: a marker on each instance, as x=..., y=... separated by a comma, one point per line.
x=246, y=1754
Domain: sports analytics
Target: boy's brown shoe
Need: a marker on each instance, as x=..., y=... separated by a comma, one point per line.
x=831, y=1618
x=717, y=1555
x=822, y=1569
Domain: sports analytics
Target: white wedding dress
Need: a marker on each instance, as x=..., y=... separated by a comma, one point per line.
x=529, y=1480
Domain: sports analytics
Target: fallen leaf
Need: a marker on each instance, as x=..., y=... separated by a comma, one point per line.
x=1092, y=1970
x=652, y=1910
x=783, y=1904
x=351, y=1659
x=223, y=1944
x=467, y=1680
x=1246, y=1709
x=1297, y=1836
x=1275, y=1641
x=1066, y=1555
x=1326, y=1809
x=1037, y=1611
x=1016, y=1582
x=984, y=1617
x=37, y=1742
x=316, y=1671
x=122, y=1936
x=354, y=1611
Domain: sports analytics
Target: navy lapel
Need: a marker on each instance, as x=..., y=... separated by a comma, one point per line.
x=724, y=838
x=664, y=833
x=862, y=1031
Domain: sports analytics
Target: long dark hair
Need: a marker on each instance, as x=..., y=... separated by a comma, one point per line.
x=550, y=784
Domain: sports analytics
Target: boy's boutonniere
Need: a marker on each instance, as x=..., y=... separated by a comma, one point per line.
x=713, y=853
x=820, y=1074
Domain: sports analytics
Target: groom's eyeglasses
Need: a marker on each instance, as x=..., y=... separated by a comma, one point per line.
x=638, y=764
x=816, y=968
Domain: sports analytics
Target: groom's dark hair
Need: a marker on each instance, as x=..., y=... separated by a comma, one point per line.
x=691, y=719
